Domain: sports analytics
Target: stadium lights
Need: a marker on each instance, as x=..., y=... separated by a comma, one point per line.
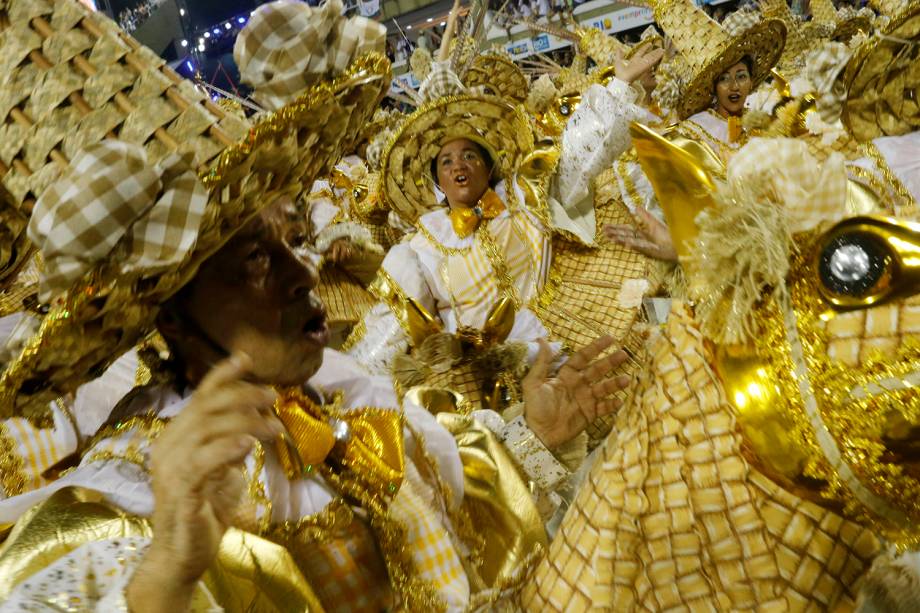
x=241, y=19
x=182, y=12
x=190, y=66
x=430, y=19
x=215, y=31
x=201, y=47
x=443, y=23
x=184, y=43
x=408, y=27
x=227, y=25
x=207, y=35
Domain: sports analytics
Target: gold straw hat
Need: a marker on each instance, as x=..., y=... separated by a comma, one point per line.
x=707, y=50
x=844, y=23
x=136, y=178
x=798, y=42
x=490, y=121
x=883, y=76
x=499, y=75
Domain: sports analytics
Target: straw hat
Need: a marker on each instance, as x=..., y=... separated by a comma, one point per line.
x=448, y=113
x=799, y=39
x=499, y=75
x=134, y=178
x=881, y=76
x=707, y=50
x=844, y=23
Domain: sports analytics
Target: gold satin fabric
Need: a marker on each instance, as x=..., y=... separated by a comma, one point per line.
x=465, y=220
x=497, y=499
x=374, y=450
x=249, y=574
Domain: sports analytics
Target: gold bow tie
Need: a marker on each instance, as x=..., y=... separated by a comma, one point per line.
x=368, y=443
x=465, y=221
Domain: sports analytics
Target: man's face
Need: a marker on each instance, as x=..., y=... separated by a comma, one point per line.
x=463, y=172
x=732, y=89
x=256, y=295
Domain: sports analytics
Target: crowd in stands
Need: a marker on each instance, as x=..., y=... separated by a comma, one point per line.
x=131, y=19
x=508, y=13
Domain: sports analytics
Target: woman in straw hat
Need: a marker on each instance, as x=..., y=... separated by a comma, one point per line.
x=471, y=290
x=706, y=84
x=348, y=502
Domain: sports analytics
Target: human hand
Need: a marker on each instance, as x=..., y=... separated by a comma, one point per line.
x=339, y=251
x=648, y=236
x=643, y=61
x=558, y=408
x=197, y=483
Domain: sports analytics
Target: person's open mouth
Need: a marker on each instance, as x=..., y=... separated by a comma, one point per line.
x=734, y=98
x=317, y=329
x=461, y=180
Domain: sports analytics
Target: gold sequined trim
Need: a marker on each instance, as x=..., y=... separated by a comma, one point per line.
x=892, y=179
x=443, y=250
x=12, y=468
x=148, y=425
x=131, y=455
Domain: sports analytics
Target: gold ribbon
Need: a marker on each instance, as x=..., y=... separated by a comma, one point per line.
x=372, y=451
x=465, y=221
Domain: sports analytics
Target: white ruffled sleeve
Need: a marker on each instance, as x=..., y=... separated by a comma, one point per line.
x=595, y=136
x=384, y=336
x=92, y=577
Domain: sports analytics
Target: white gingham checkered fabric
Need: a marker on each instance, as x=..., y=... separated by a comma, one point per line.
x=109, y=194
x=440, y=82
x=740, y=21
x=288, y=46
x=783, y=170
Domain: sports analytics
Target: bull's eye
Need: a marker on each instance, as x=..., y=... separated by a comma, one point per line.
x=853, y=264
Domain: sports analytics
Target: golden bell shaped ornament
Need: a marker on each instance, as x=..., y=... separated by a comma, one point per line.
x=499, y=322
x=421, y=323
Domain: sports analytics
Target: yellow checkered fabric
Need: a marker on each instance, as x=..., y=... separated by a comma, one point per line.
x=288, y=46
x=113, y=194
x=433, y=550
x=781, y=170
x=672, y=517
x=345, y=570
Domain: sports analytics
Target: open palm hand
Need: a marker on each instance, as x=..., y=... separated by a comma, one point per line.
x=559, y=408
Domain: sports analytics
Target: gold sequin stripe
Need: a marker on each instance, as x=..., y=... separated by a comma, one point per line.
x=256, y=489
x=387, y=290
x=355, y=336
x=131, y=455
x=825, y=440
x=628, y=184
x=12, y=468
x=698, y=132
x=874, y=183
x=443, y=250
x=875, y=155
x=147, y=425
x=497, y=259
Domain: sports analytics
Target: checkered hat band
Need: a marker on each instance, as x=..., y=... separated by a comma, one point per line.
x=112, y=194
x=288, y=46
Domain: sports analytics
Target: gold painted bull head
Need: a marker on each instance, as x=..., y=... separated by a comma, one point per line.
x=815, y=318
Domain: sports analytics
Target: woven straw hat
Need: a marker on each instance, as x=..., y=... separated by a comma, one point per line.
x=107, y=145
x=844, y=24
x=707, y=50
x=490, y=121
x=799, y=39
x=501, y=76
x=881, y=76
